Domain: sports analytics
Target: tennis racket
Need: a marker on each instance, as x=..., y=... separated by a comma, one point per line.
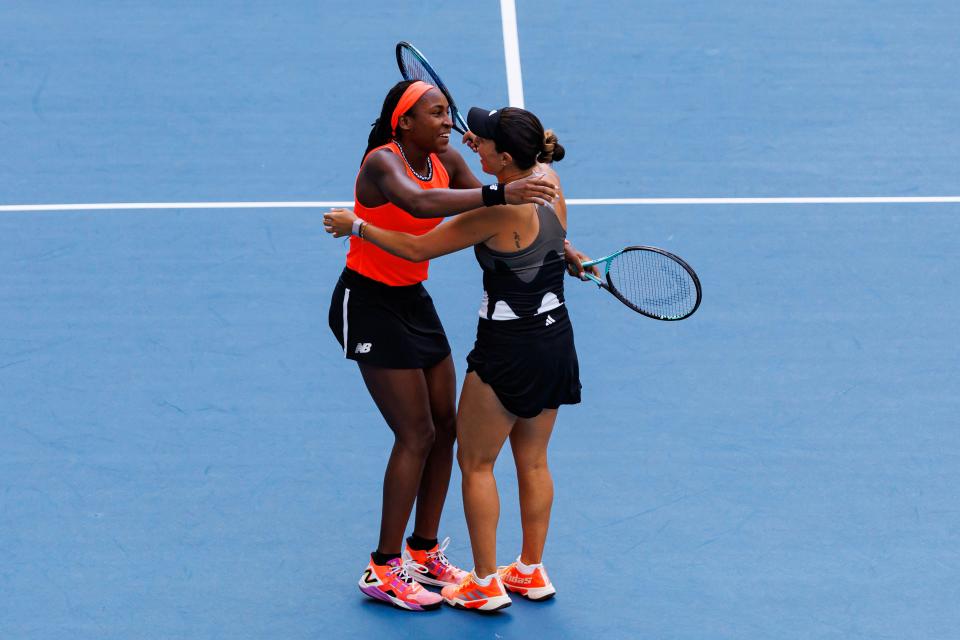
x=650, y=281
x=414, y=66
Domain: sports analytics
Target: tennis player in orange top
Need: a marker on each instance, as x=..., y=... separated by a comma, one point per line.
x=385, y=320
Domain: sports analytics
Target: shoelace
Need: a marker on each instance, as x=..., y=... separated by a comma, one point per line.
x=402, y=571
x=438, y=555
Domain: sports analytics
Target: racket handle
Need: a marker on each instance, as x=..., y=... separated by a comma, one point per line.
x=590, y=276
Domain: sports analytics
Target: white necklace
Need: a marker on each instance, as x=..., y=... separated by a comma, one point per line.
x=426, y=178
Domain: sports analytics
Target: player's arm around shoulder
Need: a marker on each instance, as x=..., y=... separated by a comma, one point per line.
x=385, y=173
x=463, y=231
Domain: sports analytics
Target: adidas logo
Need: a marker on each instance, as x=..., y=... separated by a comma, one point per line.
x=363, y=347
x=493, y=187
x=550, y=320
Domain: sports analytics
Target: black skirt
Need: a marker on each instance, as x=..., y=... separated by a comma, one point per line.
x=531, y=363
x=391, y=327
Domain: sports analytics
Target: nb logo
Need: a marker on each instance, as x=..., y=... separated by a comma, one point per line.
x=550, y=320
x=363, y=347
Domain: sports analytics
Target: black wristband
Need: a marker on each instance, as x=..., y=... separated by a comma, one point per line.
x=494, y=194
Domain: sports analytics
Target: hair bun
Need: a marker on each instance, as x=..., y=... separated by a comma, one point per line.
x=553, y=151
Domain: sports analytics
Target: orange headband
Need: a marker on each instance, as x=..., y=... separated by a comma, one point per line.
x=409, y=98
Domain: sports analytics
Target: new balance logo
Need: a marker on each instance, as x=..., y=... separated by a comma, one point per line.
x=550, y=320
x=363, y=347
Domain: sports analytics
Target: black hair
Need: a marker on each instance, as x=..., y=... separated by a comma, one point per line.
x=381, y=133
x=521, y=134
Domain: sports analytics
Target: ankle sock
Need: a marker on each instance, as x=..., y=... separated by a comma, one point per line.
x=484, y=582
x=527, y=569
x=421, y=544
x=383, y=558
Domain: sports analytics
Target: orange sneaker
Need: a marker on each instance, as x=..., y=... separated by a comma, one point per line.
x=392, y=583
x=440, y=572
x=471, y=595
x=535, y=585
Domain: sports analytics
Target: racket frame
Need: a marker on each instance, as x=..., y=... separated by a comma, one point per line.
x=459, y=124
x=609, y=286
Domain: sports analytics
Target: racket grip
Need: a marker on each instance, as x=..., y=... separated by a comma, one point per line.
x=590, y=276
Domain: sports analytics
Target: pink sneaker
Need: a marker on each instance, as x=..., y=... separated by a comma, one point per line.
x=440, y=572
x=393, y=583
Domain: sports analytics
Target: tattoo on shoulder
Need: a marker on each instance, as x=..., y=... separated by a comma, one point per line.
x=516, y=239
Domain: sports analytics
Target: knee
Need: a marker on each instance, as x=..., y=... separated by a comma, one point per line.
x=531, y=468
x=472, y=463
x=417, y=438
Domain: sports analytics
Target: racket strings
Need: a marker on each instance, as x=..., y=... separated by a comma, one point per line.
x=414, y=68
x=654, y=283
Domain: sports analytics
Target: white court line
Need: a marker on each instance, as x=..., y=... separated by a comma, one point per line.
x=511, y=52
x=119, y=206
x=799, y=200
x=320, y=204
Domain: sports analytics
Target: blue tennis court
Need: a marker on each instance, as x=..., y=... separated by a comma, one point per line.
x=187, y=454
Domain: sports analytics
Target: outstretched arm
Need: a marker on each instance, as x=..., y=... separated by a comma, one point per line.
x=386, y=171
x=457, y=233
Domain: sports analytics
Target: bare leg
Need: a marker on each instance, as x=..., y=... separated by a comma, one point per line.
x=403, y=398
x=529, y=440
x=482, y=427
x=442, y=390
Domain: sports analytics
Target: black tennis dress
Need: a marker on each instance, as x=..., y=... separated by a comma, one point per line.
x=524, y=348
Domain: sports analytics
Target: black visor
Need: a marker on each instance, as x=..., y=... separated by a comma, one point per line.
x=484, y=122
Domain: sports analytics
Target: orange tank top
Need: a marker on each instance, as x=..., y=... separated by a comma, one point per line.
x=373, y=262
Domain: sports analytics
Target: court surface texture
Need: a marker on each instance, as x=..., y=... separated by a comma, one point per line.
x=186, y=454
